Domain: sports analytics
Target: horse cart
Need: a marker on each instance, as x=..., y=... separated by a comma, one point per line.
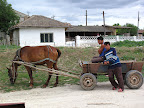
x=131, y=71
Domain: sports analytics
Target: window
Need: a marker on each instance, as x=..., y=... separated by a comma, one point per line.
x=46, y=37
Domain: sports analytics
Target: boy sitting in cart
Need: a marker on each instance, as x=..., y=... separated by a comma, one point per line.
x=101, y=51
x=114, y=68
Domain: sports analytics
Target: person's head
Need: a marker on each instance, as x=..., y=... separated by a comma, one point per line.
x=100, y=40
x=107, y=45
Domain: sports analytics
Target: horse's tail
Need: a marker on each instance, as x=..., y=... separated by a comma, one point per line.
x=17, y=56
x=55, y=64
x=59, y=53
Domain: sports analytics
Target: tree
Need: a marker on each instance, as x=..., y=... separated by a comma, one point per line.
x=143, y=33
x=117, y=24
x=133, y=30
x=8, y=17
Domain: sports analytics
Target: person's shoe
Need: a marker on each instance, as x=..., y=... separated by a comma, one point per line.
x=120, y=90
x=113, y=88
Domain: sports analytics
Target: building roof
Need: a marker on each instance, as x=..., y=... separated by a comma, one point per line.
x=41, y=22
x=141, y=31
x=87, y=29
x=118, y=27
x=20, y=14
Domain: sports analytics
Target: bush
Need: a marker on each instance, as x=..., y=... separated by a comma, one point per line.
x=127, y=43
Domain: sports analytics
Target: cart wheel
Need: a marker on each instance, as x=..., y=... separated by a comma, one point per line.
x=134, y=79
x=88, y=81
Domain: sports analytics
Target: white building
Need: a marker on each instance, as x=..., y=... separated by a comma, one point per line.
x=39, y=30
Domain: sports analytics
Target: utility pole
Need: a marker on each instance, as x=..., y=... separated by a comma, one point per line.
x=86, y=17
x=138, y=23
x=104, y=23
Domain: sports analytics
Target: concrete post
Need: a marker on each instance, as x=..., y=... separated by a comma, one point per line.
x=77, y=41
x=117, y=39
x=134, y=37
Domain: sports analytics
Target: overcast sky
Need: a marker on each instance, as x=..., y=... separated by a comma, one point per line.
x=74, y=11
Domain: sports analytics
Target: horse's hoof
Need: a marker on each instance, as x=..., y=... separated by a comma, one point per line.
x=44, y=86
x=30, y=87
x=55, y=85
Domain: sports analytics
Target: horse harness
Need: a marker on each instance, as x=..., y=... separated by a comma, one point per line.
x=18, y=58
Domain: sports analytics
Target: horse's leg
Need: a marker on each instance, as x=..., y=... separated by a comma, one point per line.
x=30, y=75
x=56, y=68
x=46, y=84
x=15, y=70
x=49, y=65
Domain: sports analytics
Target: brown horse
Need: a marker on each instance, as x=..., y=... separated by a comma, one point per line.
x=38, y=55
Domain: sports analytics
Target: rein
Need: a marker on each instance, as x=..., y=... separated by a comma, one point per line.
x=43, y=60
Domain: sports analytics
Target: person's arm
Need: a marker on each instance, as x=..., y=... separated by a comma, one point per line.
x=105, y=62
x=114, y=52
x=101, y=49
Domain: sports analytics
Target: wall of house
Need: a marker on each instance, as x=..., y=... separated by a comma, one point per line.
x=31, y=36
x=15, y=38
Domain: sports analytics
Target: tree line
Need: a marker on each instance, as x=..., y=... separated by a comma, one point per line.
x=132, y=31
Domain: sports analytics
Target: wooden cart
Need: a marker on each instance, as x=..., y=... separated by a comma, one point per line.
x=131, y=71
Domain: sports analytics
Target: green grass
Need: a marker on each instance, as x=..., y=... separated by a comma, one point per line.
x=4, y=47
x=67, y=61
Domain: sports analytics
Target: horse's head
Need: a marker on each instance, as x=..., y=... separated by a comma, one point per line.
x=12, y=74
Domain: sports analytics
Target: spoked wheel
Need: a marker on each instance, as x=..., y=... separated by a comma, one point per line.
x=134, y=79
x=88, y=81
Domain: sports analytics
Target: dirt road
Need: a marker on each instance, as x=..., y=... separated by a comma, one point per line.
x=72, y=96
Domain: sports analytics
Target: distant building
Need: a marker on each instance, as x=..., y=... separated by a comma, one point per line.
x=114, y=28
x=39, y=30
x=140, y=32
x=92, y=31
x=85, y=31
